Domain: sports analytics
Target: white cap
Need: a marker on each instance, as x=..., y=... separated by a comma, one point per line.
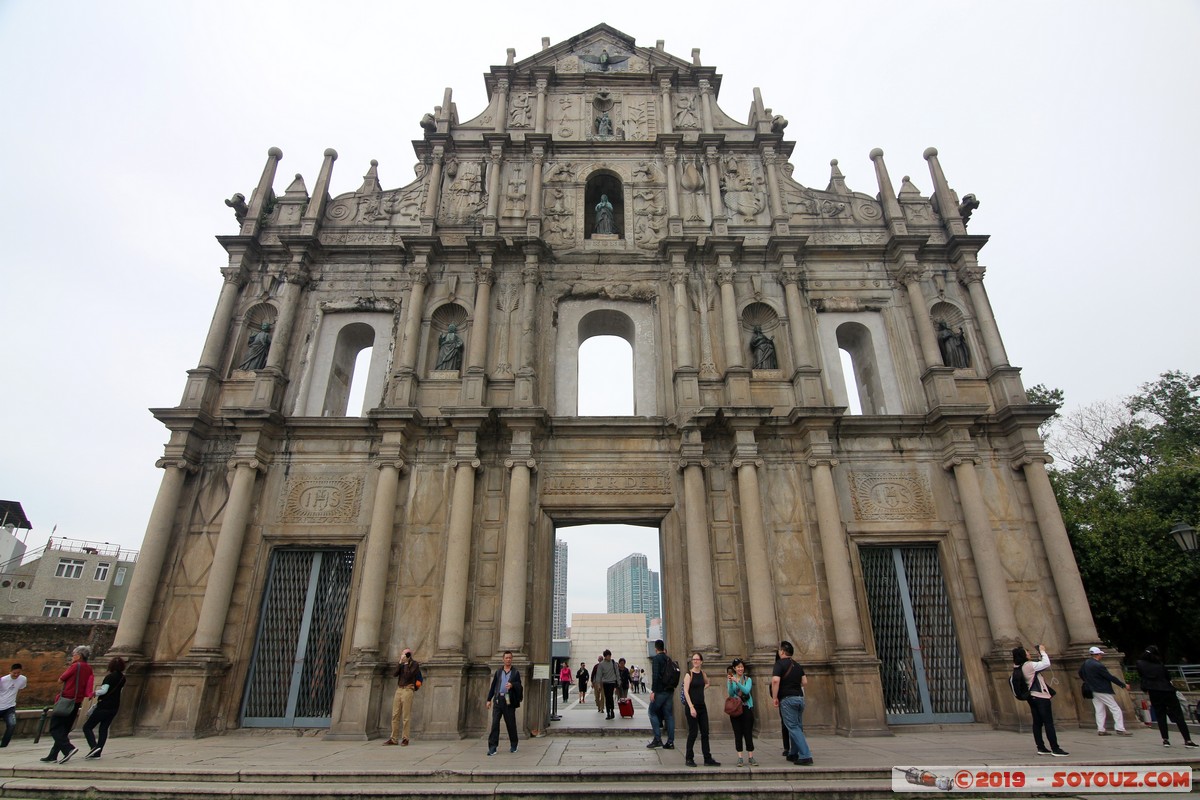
x=1096, y=651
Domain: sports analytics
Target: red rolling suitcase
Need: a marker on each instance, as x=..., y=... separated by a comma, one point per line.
x=625, y=706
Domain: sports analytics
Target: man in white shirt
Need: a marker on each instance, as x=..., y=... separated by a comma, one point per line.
x=10, y=684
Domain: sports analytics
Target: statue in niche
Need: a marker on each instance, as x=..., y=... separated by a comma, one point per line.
x=605, y=220
x=604, y=125
x=257, y=349
x=762, y=347
x=450, y=350
x=953, y=345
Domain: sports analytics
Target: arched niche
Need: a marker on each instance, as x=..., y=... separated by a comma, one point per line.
x=606, y=183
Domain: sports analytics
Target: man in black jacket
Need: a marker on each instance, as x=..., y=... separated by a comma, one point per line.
x=662, y=699
x=1097, y=678
x=504, y=698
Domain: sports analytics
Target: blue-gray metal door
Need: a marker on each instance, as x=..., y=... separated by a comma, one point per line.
x=922, y=671
x=296, y=654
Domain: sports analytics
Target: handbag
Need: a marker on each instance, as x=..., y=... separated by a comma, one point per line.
x=65, y=706
x=1087, y=692
x=734, y=706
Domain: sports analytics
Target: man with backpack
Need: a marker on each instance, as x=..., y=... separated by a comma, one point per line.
x=664, y=679
x=1028, y=684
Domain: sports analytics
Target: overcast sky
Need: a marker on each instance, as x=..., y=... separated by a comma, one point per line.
x=127, y=124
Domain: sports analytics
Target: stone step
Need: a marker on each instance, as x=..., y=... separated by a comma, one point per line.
x=694, y=785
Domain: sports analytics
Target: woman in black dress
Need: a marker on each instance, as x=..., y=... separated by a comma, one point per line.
x=107, y=706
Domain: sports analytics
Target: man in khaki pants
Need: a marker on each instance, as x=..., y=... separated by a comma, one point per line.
x=408, y=681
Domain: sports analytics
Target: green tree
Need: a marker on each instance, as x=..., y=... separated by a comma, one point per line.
x=1125, y=473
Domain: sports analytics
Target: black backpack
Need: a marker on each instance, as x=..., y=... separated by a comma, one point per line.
x=1020, y=688
x=670, y=675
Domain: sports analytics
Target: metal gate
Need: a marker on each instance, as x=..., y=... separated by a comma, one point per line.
x=923, y=679
x=294, y=669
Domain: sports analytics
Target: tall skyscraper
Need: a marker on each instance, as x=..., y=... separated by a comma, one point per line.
x=633, y=588
x=559, y=623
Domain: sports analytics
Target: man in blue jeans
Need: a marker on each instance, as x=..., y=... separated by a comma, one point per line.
x=787, y=686
x=662, y=699
x=10, y=684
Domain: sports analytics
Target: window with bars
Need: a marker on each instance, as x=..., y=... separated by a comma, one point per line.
x=70, y=568
x=57, y=608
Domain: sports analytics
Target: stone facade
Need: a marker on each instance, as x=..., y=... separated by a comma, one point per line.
x=474, y=285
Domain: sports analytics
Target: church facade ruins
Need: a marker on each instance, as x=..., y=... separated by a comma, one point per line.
x=296, y=546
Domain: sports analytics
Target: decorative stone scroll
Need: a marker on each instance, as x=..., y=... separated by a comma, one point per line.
x=606, y=481
x=891, y=496
x=321, y=500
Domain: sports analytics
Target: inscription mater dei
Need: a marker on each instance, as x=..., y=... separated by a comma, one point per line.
x=607, y=482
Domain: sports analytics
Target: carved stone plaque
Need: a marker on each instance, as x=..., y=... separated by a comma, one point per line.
x=898, y=495
x=321, y=500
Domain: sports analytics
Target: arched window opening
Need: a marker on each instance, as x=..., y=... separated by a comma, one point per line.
x=606, y=185
x=358, y=383
x=605, y=359
x=351, y=341
x=605, y=377
x=855, y=340
x=854, y=404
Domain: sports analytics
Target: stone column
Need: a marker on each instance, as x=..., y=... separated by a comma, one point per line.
x=760, y=587
x=539, y=124
x=992, y=583
x=525, y=394
x=972, y=278
x=729, y=319
x=847, y=627
x=493, y=182
x=683, y=327
x=790, y=274
x=712, y=159
x=670, y=157
x=501, y=106
x=485, y=276
x=221, y=575
x=377, y=559
x=458, y=552
x=419, y=275
x=1081, y=628
x=235, y=278
x=699, y=551
x=910, y=276
x=772, y=170
x=666, y=118
x=535, y=183
x=516, y=552
x=144, y=582
x=706, y=104
x=434, y=197
x=294, y=277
